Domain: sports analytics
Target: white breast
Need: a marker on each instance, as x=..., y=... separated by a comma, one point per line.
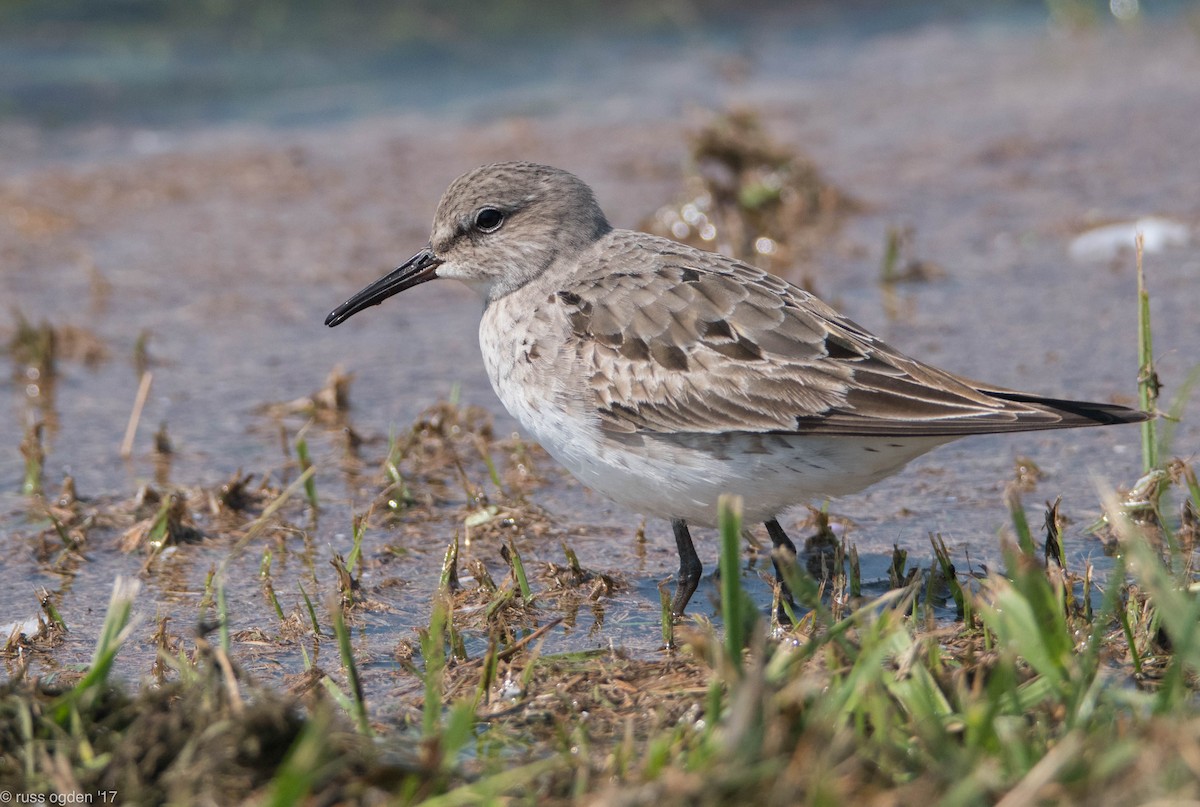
x=669, y=476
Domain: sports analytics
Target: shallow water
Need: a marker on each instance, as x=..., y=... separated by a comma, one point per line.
x=227, y=241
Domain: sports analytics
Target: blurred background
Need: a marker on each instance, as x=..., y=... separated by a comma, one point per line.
x=187, y=188
x=172, y=62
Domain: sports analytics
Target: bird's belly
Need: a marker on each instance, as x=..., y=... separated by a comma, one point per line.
x=683, y=475
x=679, y=475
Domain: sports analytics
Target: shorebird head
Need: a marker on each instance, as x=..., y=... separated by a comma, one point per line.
x=496, y=228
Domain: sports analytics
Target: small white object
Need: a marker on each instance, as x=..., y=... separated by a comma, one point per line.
x=510, y=690
x=1108, y=242
x=1124, y=9
x=29, y=627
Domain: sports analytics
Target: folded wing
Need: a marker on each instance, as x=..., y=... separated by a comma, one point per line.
x=690, y=342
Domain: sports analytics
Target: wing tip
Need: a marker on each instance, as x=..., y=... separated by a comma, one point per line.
x=1077, y=413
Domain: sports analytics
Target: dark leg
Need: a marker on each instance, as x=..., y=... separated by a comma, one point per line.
x=780, y=540
x=690, y=568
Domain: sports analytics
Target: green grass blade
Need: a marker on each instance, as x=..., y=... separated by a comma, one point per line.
x=1148, y=385
x=310, y=483
x=294, y=779
x=346, y=651
x=733, y=605
x=518, y=568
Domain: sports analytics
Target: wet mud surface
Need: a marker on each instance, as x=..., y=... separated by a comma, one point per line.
x=209, y=257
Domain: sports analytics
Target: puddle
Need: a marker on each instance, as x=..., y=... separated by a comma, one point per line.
x=212, y=258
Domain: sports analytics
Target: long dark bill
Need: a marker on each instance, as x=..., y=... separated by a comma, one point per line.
x=415, y=271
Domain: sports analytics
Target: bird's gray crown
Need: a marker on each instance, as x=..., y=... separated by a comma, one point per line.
x=501, y=225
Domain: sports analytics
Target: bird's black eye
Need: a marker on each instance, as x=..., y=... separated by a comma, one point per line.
x=488, y=220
